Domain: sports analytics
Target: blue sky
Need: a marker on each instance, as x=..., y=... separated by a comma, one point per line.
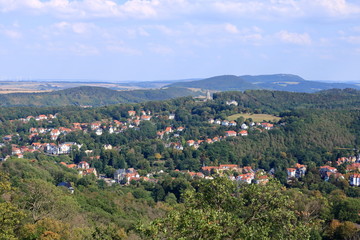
x=118, y=40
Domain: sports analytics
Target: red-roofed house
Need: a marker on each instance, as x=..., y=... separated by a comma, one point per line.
x=230, y=134
x=190, y=143
x=83, y=165
x=325, y=169
x=267, y=126
x=168, y=130
x=145, y=118
x=228, y=166
x=353, y=167
x=131, y=113
x=54, y=134
x=243, y=133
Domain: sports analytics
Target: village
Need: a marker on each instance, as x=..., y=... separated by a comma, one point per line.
x=245, y=174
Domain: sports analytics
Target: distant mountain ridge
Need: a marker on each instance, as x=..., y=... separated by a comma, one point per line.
x=281, y=82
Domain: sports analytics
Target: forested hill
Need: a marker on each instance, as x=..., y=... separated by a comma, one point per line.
x=277, y=101
x=90, y=96
x=281, y=82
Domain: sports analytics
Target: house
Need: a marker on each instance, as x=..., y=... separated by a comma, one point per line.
x=36, y=145
x=196, y=174
x=54, y=134
x=243, y=133
x=145, y=118
x=262, y=180
x=52, y=148
x=41, y=130
x=232, y=102
x=228, y=167
x=95, y=125
x=291, y=172
x=300, y=170
x=31, y=136
x=71, y=166
x=211, y=121
x=209, y=168
x=336, y=175
x=126, y=175
x=180, y=129
x=33, y=130
x=83, y=165
x=248, y=169
x=99, y=131
x=245, y=178
x=190, y=143
x=209, y=141
x=41, y=117
x=131, y=113
x=15, y=151
x=136, y=122
x=28, y=118
x=160, y=134
x=225, y=123
x=218, y=121
x=354, y=179
x=168, y=130
x=108, y=147
x=232, y=123
x=88, y=171
x=171, y=116
x=64, y=148
x=230, y=134
x=324, y=170
x=353, y=167
x=244, y=126
x=267, y=126
x=177, y=146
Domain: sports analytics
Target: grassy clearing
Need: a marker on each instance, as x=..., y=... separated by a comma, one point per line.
x=255, y=117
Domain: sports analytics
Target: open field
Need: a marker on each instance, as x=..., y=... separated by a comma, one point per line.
x=39, y=86
x=254, y=117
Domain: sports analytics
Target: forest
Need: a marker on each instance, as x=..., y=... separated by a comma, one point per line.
x=43, y=198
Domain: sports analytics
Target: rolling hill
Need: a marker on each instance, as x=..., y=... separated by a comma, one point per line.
x=90, y=96
x=281, y=82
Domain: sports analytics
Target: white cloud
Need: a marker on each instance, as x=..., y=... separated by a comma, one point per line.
x=172, y=9
x=76, y=27
x=294, y=38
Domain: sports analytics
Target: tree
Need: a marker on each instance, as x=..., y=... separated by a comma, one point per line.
x=220, y=209
x=10, y=215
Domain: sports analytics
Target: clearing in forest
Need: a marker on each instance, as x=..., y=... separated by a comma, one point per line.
x=255, y=117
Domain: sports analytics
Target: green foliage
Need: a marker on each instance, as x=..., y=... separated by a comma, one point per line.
x=220, y=209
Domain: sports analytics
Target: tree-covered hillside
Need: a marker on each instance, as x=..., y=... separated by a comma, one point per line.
x=90, y=96
x=279, y=82
x=178, y=169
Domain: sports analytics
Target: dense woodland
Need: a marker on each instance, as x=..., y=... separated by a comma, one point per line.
x=314, y=129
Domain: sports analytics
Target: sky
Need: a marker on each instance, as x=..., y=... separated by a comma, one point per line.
x=142, y=40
